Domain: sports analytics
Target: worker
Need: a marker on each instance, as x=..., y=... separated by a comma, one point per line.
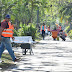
x=5, y=33
x=43, y=30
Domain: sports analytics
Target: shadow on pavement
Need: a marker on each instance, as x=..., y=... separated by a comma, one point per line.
x=49, y=64
x=47, y=43
x=5, y=66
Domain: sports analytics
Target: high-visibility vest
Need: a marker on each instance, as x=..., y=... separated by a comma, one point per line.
x=41, y=27
x=8, y=32
x=64, y=33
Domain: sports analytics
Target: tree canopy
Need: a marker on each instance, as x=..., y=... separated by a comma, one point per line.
x=36, y=11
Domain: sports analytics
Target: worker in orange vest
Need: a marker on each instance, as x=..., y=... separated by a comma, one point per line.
x=5, y=33
x=48, y=30
x=43, y=30
x=11, y=28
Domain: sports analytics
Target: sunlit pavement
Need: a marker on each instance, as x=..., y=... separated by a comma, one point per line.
x=49, y=56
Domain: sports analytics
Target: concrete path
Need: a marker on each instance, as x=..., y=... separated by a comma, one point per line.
x=49, y=56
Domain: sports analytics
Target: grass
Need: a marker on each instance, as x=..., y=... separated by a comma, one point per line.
x=38, y=37
x=7, y=61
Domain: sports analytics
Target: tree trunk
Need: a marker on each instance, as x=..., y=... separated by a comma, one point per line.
x=37, y=16
x=0, y=13
x=23, y=21
x=17, y=22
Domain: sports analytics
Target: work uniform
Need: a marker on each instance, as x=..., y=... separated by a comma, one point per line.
x=8, y=31
x=48, y=30
x=5, y=42
x=43, y=31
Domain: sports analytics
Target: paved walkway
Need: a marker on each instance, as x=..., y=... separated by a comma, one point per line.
x=49, y=56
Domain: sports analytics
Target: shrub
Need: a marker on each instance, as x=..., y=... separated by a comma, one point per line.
x=15, y=33
x=70, y=33
x=27, y=30
x=67, y=29
x=32, y=31
x=23, y=31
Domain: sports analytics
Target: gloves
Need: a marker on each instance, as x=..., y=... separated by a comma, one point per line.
x=13, y=38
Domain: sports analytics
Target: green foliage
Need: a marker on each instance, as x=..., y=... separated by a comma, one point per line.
x=15, y=32
x=66, y=11
x=70, y=34
x=27, y=30
x=25, y=11
x=23, y=30
x=32, y=31
x=67, y=29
